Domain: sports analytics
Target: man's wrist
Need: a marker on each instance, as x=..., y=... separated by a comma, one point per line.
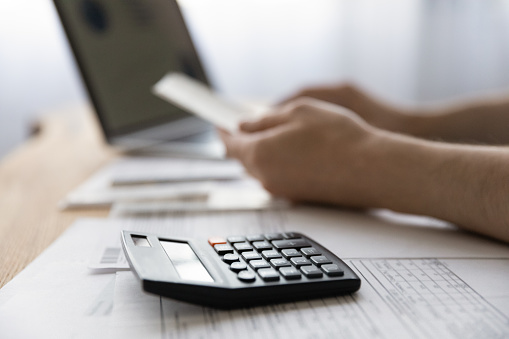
x=402, y=173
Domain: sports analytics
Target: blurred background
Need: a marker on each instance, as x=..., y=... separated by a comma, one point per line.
x=409, y=51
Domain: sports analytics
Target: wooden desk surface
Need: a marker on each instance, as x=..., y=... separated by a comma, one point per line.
x=34, y=177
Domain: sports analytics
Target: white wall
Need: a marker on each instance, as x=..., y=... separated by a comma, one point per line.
x=410, y=51
x=36, y=71
x=415, y=51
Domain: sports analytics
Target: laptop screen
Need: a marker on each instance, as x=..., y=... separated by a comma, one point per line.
x=123, y=48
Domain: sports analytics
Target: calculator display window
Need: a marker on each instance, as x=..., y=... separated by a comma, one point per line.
x=185, y=261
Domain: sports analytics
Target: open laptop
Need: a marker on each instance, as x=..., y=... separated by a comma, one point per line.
x=122, y=49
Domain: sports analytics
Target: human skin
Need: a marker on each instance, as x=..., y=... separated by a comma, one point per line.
x=479, y=121
x=309, y=150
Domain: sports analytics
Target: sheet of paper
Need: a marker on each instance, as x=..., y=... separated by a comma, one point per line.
x=164, y=179
x=348, y=234
x=379, y=234
x=220, y=199
x=196, y=98
x=56, y=296
x=61, y=298
x=399, y=298
x=133, y=171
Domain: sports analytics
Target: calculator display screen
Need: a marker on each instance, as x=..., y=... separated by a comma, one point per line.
x=185, y=261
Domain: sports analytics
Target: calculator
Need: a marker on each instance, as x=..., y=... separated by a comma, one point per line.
x=237, y=271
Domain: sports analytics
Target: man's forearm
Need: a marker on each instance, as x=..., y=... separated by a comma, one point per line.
x=481, y=122
x=466, y=185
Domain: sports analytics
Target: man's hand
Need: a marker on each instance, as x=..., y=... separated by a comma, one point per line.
x=309, y=150
x=373, y=110
x=483, y=120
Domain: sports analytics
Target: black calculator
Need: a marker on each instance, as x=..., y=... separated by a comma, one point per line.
x=237, y=271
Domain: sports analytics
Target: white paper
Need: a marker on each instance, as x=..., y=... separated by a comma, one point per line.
x=163, y=180
x=132, y=171
x=56, y=296
x=194, y=97
x=348, y=234
x=220, y=199
x=381, y=234
x=399, y=298
x=59, y=297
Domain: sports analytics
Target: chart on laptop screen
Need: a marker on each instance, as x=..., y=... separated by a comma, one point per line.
x=123, y=48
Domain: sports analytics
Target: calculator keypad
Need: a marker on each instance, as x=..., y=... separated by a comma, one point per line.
x=309, y=251
x=235, y=239
x=311, y=271
x=274, y=236
x=268, y=274
x=230, y=257
x=290, y=273
x=291, y=243
x=246, y=276
x=290, y=252
x=238, y=266
x=252, y=255
x=320, y=260
x=242, y=247
x=257, y=264
x=257, y=237
x=299, y=261
x=223, y=249
x=291, y=235
x=270, y=256
x=332, y=270
x=278, y=263
x=262, y=245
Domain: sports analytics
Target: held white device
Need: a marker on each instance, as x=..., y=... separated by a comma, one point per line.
x=195, y=97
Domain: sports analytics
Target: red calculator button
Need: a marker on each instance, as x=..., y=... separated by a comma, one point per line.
x=216, y=240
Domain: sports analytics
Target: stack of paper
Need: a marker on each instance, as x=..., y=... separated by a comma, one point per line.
x=169, y=185
x=421, y=279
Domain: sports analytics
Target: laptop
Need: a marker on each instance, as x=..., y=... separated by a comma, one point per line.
x=122, y=49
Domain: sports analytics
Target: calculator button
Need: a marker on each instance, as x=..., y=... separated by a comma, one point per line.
x=291, y=243
x=309, y=251
x=292, y=235
x=251, y=255
x=290, y=273
x=262, y=245
x=242, y=247
x=299, y=261
x=223, y=249
x=272, y=254
x=290, y=252
x=268, y=274
x=278, y=263
x=216, y=240
x=257, y=264
x=320, y=260
x=230, y=257
x=235, y=239
x=238, y=266
x=332, y=270
x=273, y=236
x=246, y=276
x=256, y=237
x=311, y=271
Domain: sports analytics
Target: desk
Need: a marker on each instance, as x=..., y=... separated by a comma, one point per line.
x=68, y=149
x=35, y=176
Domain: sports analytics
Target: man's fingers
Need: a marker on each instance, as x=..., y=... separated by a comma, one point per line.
x=268, y=121
x=234, y=144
